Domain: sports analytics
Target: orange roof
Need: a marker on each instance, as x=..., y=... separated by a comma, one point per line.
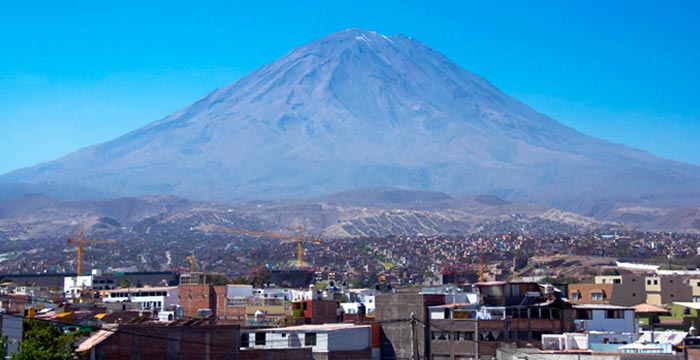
x=648, y=308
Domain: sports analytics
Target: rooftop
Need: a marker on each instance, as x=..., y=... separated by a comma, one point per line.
x=317, y=328
x=601, y=307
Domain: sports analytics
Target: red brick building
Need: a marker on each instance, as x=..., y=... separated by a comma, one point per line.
x=156, y=341
x=316, y=311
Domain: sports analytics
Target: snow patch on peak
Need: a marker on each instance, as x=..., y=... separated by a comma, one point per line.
x=364, y=38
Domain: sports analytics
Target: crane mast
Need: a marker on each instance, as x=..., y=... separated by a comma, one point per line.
x=192, y=262
x=481, y=261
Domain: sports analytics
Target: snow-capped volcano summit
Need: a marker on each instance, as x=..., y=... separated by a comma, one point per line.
x=358, y=109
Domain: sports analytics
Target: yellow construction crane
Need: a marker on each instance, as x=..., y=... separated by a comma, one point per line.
x=481, y=260
x=81, y=242
x=192, y=262
x=300, y=239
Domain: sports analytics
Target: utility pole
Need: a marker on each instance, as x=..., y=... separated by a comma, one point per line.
x=414, y=339
x=476, y=338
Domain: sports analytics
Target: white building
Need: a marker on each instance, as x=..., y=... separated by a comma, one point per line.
x=322, y=339
x=74, y=286
x=365, y=297
x=148, y=298
x=274, y=293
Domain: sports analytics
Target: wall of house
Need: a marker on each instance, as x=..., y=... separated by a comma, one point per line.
x=193, y=297
x=453, y=337
x=630, y=292
x=355, y=338
x=675, y=288
x=324, y=311
x=391, y=309
x=277, y=354
x=599, y=321
x=146, y=341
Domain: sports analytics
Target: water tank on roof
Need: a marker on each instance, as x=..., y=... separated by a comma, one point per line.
x=204, y=313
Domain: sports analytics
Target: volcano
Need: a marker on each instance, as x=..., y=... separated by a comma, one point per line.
x=359, y=109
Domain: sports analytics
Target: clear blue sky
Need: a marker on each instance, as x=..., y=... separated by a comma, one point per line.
x=74, y=74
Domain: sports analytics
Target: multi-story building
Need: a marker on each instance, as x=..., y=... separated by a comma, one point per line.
x=517, y=313
x=148, y=298
x=656, y=289
x=327, y=342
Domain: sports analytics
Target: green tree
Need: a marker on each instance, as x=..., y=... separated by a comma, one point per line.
x=217, y=279
x=41, y=340
x=262, y=277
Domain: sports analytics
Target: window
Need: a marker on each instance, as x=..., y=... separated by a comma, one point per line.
x=575, y=296
x=310, y=339
x=583, y=314
x=597, y=296
x=614, y=314
x=245, y=338
x=260, y=338
x=464, y=336
x=648, y=282
x=656, y=282
x=439, y=335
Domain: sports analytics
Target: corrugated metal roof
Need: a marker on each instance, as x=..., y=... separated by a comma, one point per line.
x=674, y=338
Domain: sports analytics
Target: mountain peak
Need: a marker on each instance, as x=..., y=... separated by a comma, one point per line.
x=357, y=34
